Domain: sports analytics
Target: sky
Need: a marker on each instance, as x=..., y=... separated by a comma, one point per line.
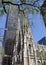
x=37, y=26
x=2, y=25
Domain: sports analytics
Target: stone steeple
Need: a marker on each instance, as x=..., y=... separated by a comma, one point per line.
x=23, y=49
x=19, y=40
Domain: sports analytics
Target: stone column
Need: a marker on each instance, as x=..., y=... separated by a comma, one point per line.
x=30, y=55
x=14, y=58
x=36, y=57
x=25, y=51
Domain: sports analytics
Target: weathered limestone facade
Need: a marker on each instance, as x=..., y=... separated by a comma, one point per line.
x=25, y=51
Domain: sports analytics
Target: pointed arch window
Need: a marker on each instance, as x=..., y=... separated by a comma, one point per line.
x=30, y=48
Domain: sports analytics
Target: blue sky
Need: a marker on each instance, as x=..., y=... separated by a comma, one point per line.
x=37, y=26
x=2, y=25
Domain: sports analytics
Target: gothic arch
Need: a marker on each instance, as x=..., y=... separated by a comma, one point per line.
x=9, y=44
